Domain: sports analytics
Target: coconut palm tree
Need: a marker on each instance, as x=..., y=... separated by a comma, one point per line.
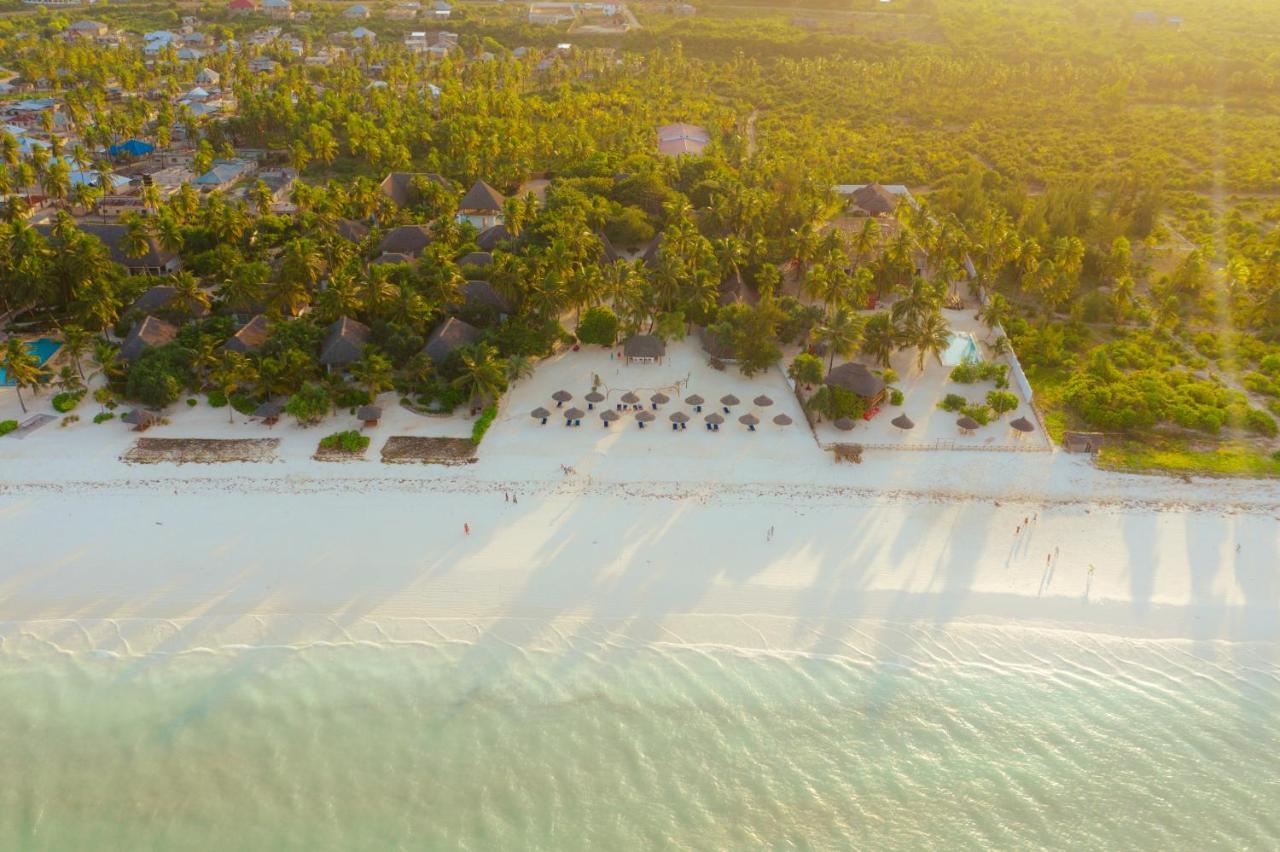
x=995, y=312
x=234, y=372
x=20, y=367
x=483, y=375
x=188, y=293
x=75, y=342
x=880, y=338
x=930, y=335
x=840, y=332
x=372, y=372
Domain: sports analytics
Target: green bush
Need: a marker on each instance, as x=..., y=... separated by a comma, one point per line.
x=309, y=405
x=69, y=419
x=1261, y=423
x=191, y=402
x=156, y=380
x=64, y=402
x=482, y=424
x=599, y=326
x=806, y=369
x=969, y=372
x=978, y=411
x=217, y=399
x=895, y=397
x=1001, y=402
x=351, y=398
x=103, y=417
x=953, y=402
x=243, y=404
x=7, y=426
x=349, y=441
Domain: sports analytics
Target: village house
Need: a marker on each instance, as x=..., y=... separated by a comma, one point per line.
x=356, y=13
x=481, y=207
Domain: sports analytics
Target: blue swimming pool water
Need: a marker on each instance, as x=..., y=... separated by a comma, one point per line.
x=43, y=349
x=962, y=348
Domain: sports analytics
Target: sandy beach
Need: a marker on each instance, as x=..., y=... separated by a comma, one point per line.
x=750, y=539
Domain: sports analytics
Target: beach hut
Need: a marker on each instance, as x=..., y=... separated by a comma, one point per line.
x=679, y=420
x=592, y=398
x=903, y=422
x=749, y=420
x=369, y=415
x=540, y=414
x=644, y=349
x=561, y=397
x=967, y=424
x=609, y=416
x=1022, y=426
x=782, y=420
x=140, y=420
x=659, y=398
x=844, y=424
x=573, y=417
x=728, y=401
x=713, y=422
x=645, y=417
x=857, y=379
x=696, y=401
x=762, y=401
x=269, y=412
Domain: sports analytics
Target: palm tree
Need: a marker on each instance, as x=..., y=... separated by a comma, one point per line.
x=483, y=374
x=930, y=335
x=880, y=338
x=994, y=313
x=372, y=372
x=841, y=333
x=234, y=372
x=20, y=367
x=75, y=342
x=188, y=293
x=518, y=367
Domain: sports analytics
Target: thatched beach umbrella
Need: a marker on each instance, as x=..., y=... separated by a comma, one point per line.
x=714, y=419
x=561, y=397
x=592, y=398
x=646, y=416
x=679, y=417
x=729, y=400
x=574, y=414
x=782, y=420
x=540, y=413
x=903, y=422
x=967, y=424
x=659, y=398
x=694, y=399
x=608, y=416
x=630, y=398
x=762, y=401
x=749, y=420
x=844, y=424
x=1023, y=425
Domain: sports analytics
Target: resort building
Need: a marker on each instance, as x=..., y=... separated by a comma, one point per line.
x=399, y=186
x=251, y=336
x=644, y=349
x=147, y=333
x=345, y=343
x=859, y=380
x=481, y=207
x=874, y=199
x=407, y=240
x=449, y=335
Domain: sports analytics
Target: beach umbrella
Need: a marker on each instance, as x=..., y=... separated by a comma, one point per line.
x=574, y=414
x=694, y=400
x=967, y=424
x=594, y=396
x=782, y=420
x=646, y=416
x=540, y=413
x=659, y=398
x=714, y=419
x=679, y=417
x=903, y=422
x=630, y=398
x=729, y=400
x=748, y=419
x=1022, y=424
x=561, y=396
x=763, y=401
x=844, y=424
x=609, y=415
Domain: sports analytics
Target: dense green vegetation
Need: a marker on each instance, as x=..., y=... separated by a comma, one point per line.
x=1114, y=183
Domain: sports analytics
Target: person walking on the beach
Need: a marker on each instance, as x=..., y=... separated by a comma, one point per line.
x=466, y=528
x=515, y=498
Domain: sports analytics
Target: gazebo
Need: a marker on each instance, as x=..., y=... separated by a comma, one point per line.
x=629, y=398
x=729, y=401
x=762, y=401
x=644, y=349
x=857, y=379
x=659, y=398
x=540, y=413
x=749, y=420
x=269, y=412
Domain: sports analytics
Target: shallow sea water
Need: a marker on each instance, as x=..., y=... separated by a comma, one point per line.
x=949, y=738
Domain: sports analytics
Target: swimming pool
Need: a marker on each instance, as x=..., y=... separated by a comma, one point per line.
x=963, y=347
x=43, y=348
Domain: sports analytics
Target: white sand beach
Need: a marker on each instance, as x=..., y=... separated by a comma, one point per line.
x=755, y=539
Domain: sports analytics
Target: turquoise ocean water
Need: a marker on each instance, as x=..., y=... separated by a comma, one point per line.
x=939, y=739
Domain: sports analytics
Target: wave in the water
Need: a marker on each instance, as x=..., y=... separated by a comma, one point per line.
x=895, y=738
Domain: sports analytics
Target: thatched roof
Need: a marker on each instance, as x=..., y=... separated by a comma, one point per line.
x=844, y=424
x=660, y=398
x=714, y=418
x=390, y=257
x=140, y=417
x=481, y=198
x=270, y=408
x=369, y=412
x=609, y=415
x=351, y=230
x=694, y=399
x=967, y=423
x=476, y=258
x=492, y=237
x=251, y=336
x=644, y=346
x=902, y=421
x=782, y=420
x=398, y=186
x=540, y=413
x=345, y=342
x=748, y=419
x=856, y=378
x=449, y=335
x=875, y=200
x=594, y=396
x=562, y=396
x=480, y=294
x=646, y=416
x=154, y=299
x=146, y=333
x=679, y=417
x=729, y=399
x=1022, y=424
x=574, y=414
x=630, y=398
x=409, y=240
x=112, y=236
x=762, y=401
